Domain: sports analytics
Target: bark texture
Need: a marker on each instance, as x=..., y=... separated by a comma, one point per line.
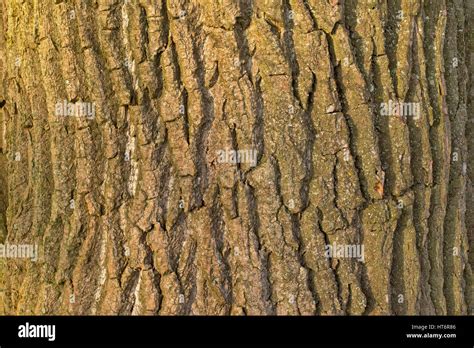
x=133, y=211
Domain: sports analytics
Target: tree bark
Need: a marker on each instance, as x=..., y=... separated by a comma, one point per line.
x=135, y=212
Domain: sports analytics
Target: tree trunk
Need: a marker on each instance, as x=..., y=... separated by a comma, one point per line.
x=152, y=202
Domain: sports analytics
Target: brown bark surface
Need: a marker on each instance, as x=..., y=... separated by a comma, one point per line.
x=133, y=211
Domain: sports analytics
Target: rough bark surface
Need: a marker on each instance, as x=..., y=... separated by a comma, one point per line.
x=134, y=213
